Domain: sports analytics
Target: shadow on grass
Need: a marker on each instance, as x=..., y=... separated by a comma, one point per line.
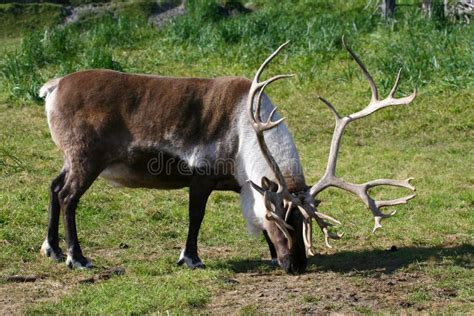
x=371, y=261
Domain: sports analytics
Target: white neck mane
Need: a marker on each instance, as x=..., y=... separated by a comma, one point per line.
x=251, y=164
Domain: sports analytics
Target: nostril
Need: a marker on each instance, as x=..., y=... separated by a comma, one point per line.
x=291, y=266
x=290, y=269
x=293, y=269
x=301, y=269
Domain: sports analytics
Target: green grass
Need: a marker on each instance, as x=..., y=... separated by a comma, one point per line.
x=430, y=140
x=138, y=295
x=433, y=53
x=17, y=18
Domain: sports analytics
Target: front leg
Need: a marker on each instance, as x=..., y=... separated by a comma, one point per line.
x=273, y=253
x=199, y=191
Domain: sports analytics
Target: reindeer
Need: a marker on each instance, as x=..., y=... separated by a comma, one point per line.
x=112, y=124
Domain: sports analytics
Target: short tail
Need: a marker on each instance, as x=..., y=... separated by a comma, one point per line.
x=48, y=87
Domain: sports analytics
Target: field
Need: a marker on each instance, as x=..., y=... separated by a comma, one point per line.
x=421, y=260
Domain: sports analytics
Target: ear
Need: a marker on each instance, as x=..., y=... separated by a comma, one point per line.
x=269, y=185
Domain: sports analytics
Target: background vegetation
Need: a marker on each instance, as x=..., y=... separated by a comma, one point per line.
x=143, y=230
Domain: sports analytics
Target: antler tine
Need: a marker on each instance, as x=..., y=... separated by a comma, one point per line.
x=373, y=87
x=395, y=85
x=268, y=60
x=272, y=216
x=308, y=214
x=256, y=187
x=262, y=86
x=269, y=124
x=256, y=85
x=329, y=235
x=258, y=106
x=331, y=107
x=393, y=202
x=330, y=179
x=307, y=236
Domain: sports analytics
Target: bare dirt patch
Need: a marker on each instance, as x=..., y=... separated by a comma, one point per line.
x=14, y=296
x=317, y=292
x=345, y=282
x=20, y=291
x=324, y=292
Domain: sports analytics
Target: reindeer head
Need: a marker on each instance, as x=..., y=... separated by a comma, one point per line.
x=289, y=214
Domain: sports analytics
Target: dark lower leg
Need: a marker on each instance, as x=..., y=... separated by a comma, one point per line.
x=199, y=192
x=54, y=211
x=77, y=183
x=74, y=252
x=50, y=247
x=74, y=249
x=271, y=247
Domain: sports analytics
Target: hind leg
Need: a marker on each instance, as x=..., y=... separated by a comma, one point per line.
x=78, y=180
x=50, y=247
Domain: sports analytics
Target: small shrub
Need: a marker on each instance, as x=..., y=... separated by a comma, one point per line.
x=21, y=77
x=97, y=57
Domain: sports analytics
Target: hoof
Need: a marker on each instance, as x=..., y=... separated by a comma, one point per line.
x=48, y=251
x=79, y=263
x=193, y=262
x=274, y=262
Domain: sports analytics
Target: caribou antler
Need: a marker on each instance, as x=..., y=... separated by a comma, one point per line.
x=280, y=196
x=329, y=178
x=261, y=126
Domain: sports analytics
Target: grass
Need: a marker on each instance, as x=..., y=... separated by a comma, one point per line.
x=425, y=49
x=430, y=140
x=18, y=18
